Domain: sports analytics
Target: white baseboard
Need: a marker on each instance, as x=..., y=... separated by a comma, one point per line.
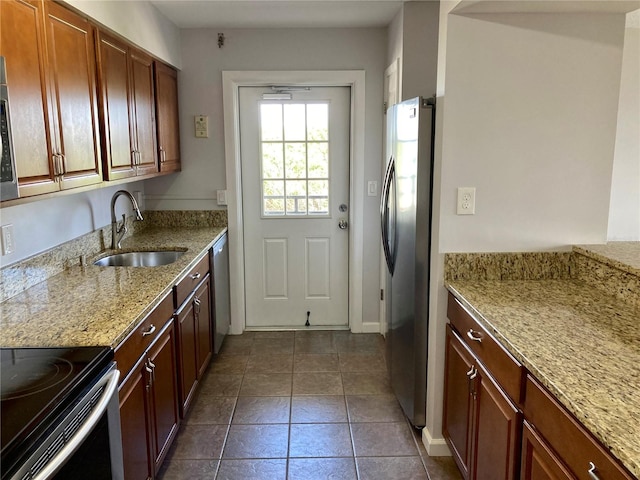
x=436, y=447
x=370, y=327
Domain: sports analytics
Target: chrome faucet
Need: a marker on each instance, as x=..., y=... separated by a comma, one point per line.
x=118, y=231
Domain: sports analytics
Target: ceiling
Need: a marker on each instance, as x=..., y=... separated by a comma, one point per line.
x=353, y=13
x=278, y=14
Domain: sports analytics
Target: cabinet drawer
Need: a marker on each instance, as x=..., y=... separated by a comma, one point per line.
x=185, y=286
x=574, y=445
x=129, y=351
x=503, y=367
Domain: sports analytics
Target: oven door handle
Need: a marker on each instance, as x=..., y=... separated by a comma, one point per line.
x=110, y=381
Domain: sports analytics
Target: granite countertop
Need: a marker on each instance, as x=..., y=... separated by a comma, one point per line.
x=622, y=255
x=90, y=305
x=580, y=342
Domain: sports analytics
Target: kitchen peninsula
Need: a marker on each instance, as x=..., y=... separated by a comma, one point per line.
x=572, y=320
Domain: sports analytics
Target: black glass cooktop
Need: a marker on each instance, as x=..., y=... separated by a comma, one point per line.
x=36, y=386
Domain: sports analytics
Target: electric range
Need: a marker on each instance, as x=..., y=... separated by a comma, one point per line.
x=39, y=386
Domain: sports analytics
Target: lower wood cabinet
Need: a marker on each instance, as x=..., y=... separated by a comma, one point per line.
x=195, y=340
x=481, y=423
x=149, y=413
x=572, y=445
x=539, y=461
x=136, y=425
x=500, y=422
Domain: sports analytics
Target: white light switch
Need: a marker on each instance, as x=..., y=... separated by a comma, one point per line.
x=372, y=188
x=221, y=196
x=202, y=126
x=466, y=201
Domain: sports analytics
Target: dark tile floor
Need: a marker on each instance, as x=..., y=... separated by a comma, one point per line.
x=301, y=405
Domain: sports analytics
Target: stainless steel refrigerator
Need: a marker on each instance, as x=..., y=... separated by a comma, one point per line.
x=405, y=212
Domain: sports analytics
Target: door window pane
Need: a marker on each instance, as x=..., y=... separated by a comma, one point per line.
x=295, y=159
x=271, y=121
x=294, y=122
x=273, y=197
x=318, y=197
x=272, y=164
x=318, y=160
x=296, y=197
x=318, y=121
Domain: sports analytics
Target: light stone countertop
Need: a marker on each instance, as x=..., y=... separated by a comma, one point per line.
x=581, y=343
x=86, y=306
x=622, y=255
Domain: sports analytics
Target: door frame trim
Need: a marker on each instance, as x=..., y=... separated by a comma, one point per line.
x=231, y=82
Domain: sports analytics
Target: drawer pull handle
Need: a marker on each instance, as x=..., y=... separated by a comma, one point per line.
x=152, y=329
x=592, y=472
x=474, y=374
x=471, y=371
x=195, y=276
x=473, y=336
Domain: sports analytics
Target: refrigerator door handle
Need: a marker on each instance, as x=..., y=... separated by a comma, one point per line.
x=384, y=213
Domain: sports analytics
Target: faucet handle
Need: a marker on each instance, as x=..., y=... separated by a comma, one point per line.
x=123, y=227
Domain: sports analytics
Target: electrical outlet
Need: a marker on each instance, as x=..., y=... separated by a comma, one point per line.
x=7, y=239
x=466, y=201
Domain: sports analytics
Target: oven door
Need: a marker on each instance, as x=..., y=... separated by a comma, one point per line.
x=87, y=443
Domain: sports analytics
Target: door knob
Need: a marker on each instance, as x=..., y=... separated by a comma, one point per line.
x=342, y=224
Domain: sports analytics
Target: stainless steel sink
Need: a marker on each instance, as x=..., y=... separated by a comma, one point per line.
x=139, y=259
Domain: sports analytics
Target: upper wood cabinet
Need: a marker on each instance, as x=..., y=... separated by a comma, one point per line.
x=50, y=60
x=166, y=83
x=127, y=109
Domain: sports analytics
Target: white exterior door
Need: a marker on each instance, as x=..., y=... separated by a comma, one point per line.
x=295, y=195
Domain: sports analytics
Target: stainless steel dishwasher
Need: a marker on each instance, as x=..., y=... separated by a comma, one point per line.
x=220, y=291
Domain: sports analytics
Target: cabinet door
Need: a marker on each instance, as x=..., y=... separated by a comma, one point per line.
x=115, y=112
x=144, y=108
x=497, y=427
x=166, y=83
x=187, y=355
x=164, y=397
x=539, y=462
x=458, y=401
x=22, y=43
x=135, y=425
x=202, y=310
x=71, y=52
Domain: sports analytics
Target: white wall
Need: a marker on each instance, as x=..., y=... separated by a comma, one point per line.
x=138, y=21
x=419, y=49
x=624, y=213
x=43, y=224
x=411, y=38
x=200, y=92
x=530, y=121
x=432, y=433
